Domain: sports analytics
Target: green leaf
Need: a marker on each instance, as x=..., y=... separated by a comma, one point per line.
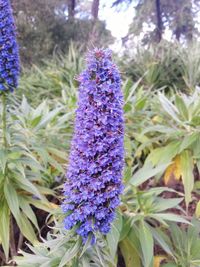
x=114, y=235
x=24, y=205
x=159, y=190
x=147, y=172
x=64, y=118
x=40, y=204
x=132, y=89
x=40, y=109
x=126, y=88
x=187, y=175
x=169, y=217
x=25, y=184
x=128, y=107
x=126, y=227
x=55, y=164
x=188, y=141
x=146, y=241
x=163, y=204
x=127, y=174
x=58, y=153
x=158, y=236
x=133, y=237
x=3, y=159
x=169, y=108
x=26, y=228
x=70, y=253
x=25, y=108
x=35, y=121
x=197, y=210
x=182, y=107
x=163, y=155
x=30, y=162
x=5, y=228
x=45, y=191
x=12, y=199
x=48, y=118
x=86, y=246
x=140, y=103
x=170, y=265
x=129, y=253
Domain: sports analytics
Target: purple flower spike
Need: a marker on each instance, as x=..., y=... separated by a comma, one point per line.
x=96, y=160
x=9, y=54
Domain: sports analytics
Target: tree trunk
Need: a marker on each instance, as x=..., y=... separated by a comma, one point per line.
x=159, y=23
x=95, y=9
x=95, y=12
x=177, y=34
x=71, y=9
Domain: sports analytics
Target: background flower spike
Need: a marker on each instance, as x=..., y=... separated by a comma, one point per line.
x=9, y=54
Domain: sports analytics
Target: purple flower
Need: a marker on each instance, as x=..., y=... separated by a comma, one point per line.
x=9, y=54
x=96, y=160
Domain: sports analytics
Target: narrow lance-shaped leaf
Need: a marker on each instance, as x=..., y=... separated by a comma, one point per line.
x=187, y=175
x=146, y=242
x=5, y=228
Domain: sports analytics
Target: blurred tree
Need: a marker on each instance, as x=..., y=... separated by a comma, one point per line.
x=159, y=22
x=95, y=14
x=71, y=9
x=48, y=25
x=34, y=19
x=156, y=16
x=180, y=17
x=95, y=9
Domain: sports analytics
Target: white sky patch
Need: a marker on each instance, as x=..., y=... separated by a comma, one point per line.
x=119, y=19
x=116, y=21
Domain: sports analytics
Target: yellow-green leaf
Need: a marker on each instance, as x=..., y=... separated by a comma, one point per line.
x=5, y=228
x=146, y=241
x=197, y=211
x=187, y=166
x=129, y=253
x=26, y=228
x=173, y=171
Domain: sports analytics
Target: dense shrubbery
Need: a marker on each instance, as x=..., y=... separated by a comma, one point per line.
x=46, y=27
x=168, y=65
x=157, y=222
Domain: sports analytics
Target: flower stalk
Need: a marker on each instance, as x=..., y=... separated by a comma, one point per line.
x=4, y=122
x=96, y=160
x=9, y=75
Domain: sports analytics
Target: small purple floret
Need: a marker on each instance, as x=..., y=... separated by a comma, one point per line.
x=96, y=160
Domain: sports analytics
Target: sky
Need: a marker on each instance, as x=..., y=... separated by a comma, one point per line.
x=116, y=21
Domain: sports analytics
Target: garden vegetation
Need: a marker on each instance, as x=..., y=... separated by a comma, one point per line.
x=150, y=221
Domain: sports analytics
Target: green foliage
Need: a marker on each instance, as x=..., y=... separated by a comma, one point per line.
x=33, y=156
x=45, y=27
x=63, y=249
x=157, y=222
x=55, y=79
x=167, y=65
x=186, y=245
x=154, y=18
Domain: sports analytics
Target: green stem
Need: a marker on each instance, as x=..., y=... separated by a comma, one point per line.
x=4, y=125
x=13, y=251
x=139, y=201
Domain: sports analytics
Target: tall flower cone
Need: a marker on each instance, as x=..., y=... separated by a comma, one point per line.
x=96, y=160
x=9, y=54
